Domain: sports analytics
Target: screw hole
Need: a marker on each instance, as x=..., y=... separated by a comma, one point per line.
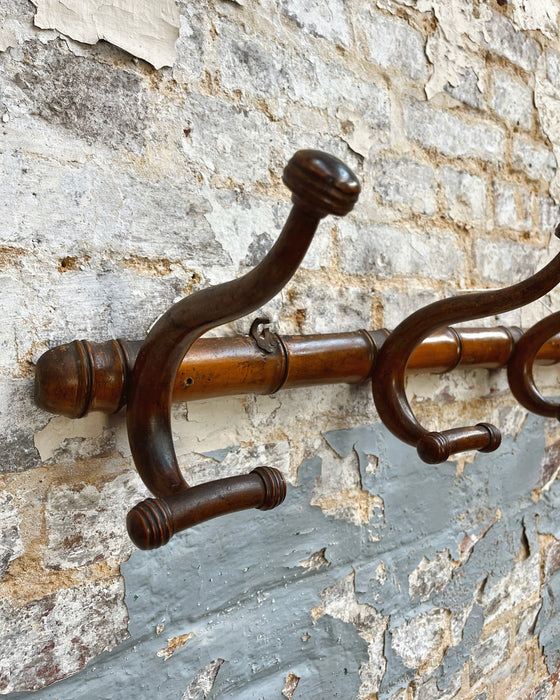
x=189, y=381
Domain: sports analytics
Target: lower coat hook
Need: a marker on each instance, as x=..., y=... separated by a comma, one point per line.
x=153, y=522
x=520, y=368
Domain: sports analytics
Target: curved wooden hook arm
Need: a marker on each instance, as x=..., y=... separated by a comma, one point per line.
x=520, y=367
x=320, y=185
x=389, y=377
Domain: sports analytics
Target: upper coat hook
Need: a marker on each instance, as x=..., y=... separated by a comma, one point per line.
x=320, y=185
x=520, y=367
x=389, y=377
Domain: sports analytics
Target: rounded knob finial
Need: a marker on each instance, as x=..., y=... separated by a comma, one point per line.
x=63, y=379
x=321, y=183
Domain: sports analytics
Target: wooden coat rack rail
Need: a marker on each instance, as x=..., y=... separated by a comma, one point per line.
x=83, y=376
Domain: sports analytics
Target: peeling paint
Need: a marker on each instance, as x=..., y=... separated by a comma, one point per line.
x=7, y=38
x=536, y=15
x=370, y=606
x=430, y=576
x=316, y=561
x=356, y=132
x=146, y=29
x=126, y=188
x=354, y=505
x=290, y=685
x=59, y=429
x=462, y=28
x=448, y=47
x=203, y=682
x=174, y=644
x=339, y=602
x=424, y=640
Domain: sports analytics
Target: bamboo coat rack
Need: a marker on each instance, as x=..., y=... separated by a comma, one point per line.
x=175, y=364
x=74, y=379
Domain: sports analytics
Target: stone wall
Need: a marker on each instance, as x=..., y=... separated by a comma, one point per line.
x=141, y=149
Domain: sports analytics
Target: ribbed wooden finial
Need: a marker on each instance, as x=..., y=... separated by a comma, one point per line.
x=149, y=524
x=321, y=183
x=153, y=522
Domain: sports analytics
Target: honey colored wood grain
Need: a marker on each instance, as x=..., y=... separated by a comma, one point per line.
x=80, y=377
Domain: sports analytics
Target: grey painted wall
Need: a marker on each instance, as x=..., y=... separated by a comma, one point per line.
x=238, y=583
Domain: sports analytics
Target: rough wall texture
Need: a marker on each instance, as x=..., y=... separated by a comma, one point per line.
x=125, y=187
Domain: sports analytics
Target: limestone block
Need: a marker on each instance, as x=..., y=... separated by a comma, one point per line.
x=465, y=195
x=392, y=43
x=451, y=135
x=512, y=99
x=390, y=251
x=406, y=183
x=533, y=159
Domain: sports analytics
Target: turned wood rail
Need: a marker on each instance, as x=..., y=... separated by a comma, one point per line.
x=82, y=376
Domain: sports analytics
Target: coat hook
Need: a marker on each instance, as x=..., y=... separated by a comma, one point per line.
x=389, y=377
x=520, y=367
x=320, y=185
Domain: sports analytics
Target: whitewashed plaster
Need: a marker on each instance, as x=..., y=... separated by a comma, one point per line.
x=147, y=29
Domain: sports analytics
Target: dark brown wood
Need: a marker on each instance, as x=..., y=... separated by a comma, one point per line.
x=154, y=521
x=83, y=376
x=434, y=448
x=321, y=185
x=389, y=378
x=520, y=369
